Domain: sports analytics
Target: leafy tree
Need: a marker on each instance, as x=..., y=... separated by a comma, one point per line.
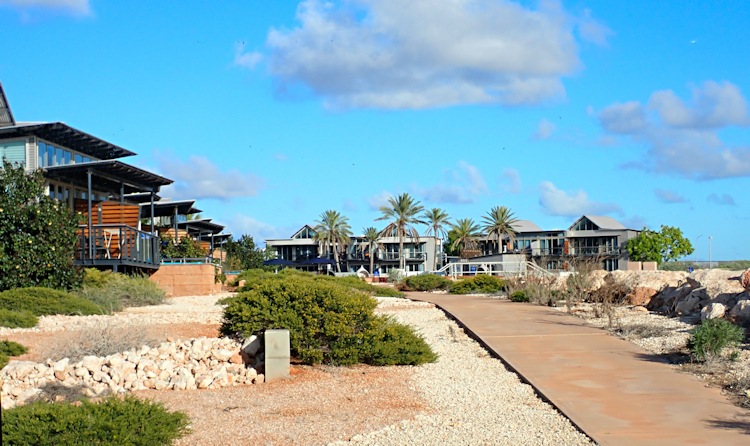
x=466, y=230
x=372, y=238
x=663, y=246
x=243, y=254
x=333, y=230
x=37, y=234
x=402, y=211
x=437, y=220
x=186, y=249
x=499, y=221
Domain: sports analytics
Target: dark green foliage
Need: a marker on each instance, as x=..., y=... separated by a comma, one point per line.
x=663, y=246
x=186, y=249
x=114, y=291
x=44, y=301
x=426, y=282
x=712, y=336
x=38, y=234
x=359, y=284
x=242, y=254
x=8, y=349
x=479, y=284
x=328, y=321
x=519, y=296
x=391, y=343
x=17, y=319
x=113, y=421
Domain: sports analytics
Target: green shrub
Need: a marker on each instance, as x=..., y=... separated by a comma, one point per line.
x=391, y=343
x=426, y=282
x=113, y=421
x=114, y=291
x=44, y=301
x=38, y=233
x=359, y=284
x=328, y=321
x=712, y=336
x=519, y=296
x=17, y=319
x=8, y=349
x=480, y=284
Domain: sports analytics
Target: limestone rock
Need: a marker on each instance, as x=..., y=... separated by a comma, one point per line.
x=713, y=311
x=640, y=309
x=251, y=345
x=741, y=312
x=745, y=280
x=641, y=296
x=688, y=305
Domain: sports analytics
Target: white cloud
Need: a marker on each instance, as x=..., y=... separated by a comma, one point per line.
x=379, y=200
x=558, y=202
x=198, y=178
x=75, y=7
x=260, y=231
x=721, y=200
x=593, y=31
x=461, y=185
x=512, y=180
x=683, y=139
x=544, y=130
x=420, y=54
x=246, y=59
x=668, y=196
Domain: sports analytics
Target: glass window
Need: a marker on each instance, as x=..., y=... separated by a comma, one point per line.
x=50, y=155
x=78, y=159
x=86, y=159
x=42, y=154
x=59, y=156
x=66, y=157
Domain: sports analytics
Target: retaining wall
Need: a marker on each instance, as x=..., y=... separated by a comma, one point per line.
x=187, y=280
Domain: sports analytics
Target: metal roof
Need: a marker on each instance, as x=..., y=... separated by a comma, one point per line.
x=166, y=208
x=110, y=175
x=64, y=135
x=601, y=221
x=202, y=226
x=141, y=197
x=526, y=226
x=6, y=115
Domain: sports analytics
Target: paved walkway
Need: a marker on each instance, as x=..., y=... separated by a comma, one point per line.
x=614, y=391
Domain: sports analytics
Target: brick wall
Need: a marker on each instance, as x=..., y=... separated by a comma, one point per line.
x=186, y=280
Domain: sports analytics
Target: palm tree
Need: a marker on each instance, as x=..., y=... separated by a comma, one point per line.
x=436, y=219
x=333, y=230
x=466, y=231
x=402, y=211
x=499, y=221
x=372, y=238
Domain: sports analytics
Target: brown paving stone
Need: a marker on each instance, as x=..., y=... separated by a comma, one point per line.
x=614, y=391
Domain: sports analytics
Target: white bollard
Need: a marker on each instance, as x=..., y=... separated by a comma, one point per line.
x=276, y=354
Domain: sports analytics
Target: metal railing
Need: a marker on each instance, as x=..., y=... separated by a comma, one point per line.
x=112, y=243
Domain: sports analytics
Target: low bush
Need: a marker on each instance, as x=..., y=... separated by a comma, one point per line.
x=360, y=285
x=17, y=319
x=479, y=284
x=519, y=296
x=114, y=291
x=328, y=322
x=9, y=349
x=46, y=301
x=712, y=337
x=426, y=282
x=113, y=421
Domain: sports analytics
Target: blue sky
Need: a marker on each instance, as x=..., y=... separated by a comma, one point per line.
x=271, y=112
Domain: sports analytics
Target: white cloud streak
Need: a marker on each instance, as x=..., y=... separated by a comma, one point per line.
x=574, y=204
x=461, y=185
x=512, y=180
x=75, y=7
x=200, y=178
x=721, y=199
x=683, y=137
x=544, y=130
x=668, y=196
x=246, y=59
x=418, y=54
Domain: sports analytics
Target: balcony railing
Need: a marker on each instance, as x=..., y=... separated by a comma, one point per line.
x=582, y=251
x=387, y=256
x=117, y=245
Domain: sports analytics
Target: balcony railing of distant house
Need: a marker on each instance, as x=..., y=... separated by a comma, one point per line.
x=115, y=245
x=589, y=251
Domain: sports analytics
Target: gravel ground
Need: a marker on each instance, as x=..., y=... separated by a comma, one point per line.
x=476, y=400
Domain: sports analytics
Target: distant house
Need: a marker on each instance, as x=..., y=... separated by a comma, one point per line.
x=593, y=238
x=302, y=249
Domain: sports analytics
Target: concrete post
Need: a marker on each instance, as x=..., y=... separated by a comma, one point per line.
x=276, y=354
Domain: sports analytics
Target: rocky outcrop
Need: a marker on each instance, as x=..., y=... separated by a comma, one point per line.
x=745, y=279
x=203, y=363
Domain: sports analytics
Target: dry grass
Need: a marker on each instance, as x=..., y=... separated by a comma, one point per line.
x=106, y=338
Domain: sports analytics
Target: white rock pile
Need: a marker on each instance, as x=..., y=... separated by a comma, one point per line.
x=203, y=363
